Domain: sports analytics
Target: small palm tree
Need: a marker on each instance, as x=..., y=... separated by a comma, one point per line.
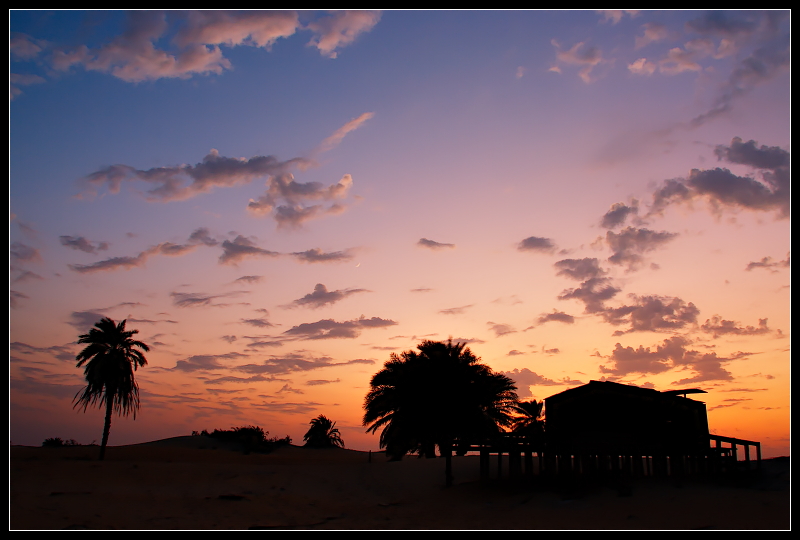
x=109, y=360
x=323, y=434
x=530, y=420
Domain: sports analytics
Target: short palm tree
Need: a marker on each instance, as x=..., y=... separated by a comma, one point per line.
x=109, y=360
x=323, y=433
x=530, y=420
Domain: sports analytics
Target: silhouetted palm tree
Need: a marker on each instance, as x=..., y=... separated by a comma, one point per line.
x=323, y=434
x=530, y=420
x=434, y=397
x=110, y=359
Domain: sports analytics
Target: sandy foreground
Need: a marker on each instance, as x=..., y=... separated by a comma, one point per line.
x=197, y=483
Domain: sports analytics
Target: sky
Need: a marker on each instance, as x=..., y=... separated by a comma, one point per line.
x=278, y=201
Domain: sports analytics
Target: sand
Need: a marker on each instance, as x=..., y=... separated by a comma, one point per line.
x=196, y=483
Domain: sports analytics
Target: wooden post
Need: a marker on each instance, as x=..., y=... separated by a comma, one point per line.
x=484, y=463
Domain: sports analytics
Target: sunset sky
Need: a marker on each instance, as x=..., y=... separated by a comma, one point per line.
x=278, y=201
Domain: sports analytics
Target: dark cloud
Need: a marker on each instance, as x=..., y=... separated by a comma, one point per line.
x=558, y=316
x=320, y=382
x=525, y=378
x=538, y=244
x=749, y=153
x=769, y=264
x=722, y=188
x=717, y=326
x=322, y=297
x=250, y=279
x=259, y=322
x=431, y=244
x=198, y=237
x=317, y=255
x=618, y=213
x=84, y=320
x=500, y=329
x=455, y=310
x=593, y=293
x=186, y=181
x=579, y=269
x=20, y=252
x=652, y=314
x=234, y=251
x=82, y=244
x=330, y=329
x=206, y=362
x=630, y=244
x=61, y=352
x=770, y=56
x=200, y=299
x=25, y=275
x=287, y=199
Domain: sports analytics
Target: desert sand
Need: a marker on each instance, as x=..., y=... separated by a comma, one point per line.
x=198, y=483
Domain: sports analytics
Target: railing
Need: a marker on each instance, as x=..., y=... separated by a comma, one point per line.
x=526, y=459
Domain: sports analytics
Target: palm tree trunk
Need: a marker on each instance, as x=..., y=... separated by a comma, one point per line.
x=106, y=426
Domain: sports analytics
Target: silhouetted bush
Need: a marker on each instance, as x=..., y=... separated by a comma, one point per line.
x=252, y=438
x=55, y=442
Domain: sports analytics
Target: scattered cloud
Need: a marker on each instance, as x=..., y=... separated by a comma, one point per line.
x=234, y=251
x=618, y=213
x=579, y=269
x=339, y=29
x=192, y=299
x=82, y=244
x=768, y=264
x=322, y=297
x=333, y=140
x=330, y=329
x=500, y=329
x=557, y=316
x=455, y=310
x=580, y=55
x=316, y=255
x=631, y=243
x=650, y=313
x=431, y=244
x=538, y=244
x=717, y=326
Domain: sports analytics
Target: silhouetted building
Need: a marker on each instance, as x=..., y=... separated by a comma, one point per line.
x=609, y=418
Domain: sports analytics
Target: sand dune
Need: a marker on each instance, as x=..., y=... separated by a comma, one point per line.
x=198, y=483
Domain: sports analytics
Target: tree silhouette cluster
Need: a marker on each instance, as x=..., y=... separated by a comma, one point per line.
x=251, y=438
x=438, y=396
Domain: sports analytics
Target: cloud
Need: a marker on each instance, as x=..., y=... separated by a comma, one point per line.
x=586, y=57
x=650, y=313
x=320, y=382
x=339, y=29
x=198, y=237
x=642, y=66
x=232, y=28
x=205, y=362
x=191, y=299
x=749, y=153
x=20, y=252
x=287, y=199
x=630, y=244
x=557, y=316
x=333, y=141
x=260, y=322
x=628, y=360
x=768, y=264
x=249, y=279
x=234, y=251
x=455, y=310
x=322, y=297
x=615, y=15
x=182, y=182
x=82, y=244
x=593, y=293
x=15, y=80
x=24, y=47
x=618, y=213
x=500, y=329
x=525, y=378
x=316, y=255
x=431, y=244
x=652, y=32
x=537, y=243
x=580, y=269
x=330, y=329
x=717, y=326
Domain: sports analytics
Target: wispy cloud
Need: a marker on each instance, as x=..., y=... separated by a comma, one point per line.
x=537, y=244
x=330, y=329
x=432, y=244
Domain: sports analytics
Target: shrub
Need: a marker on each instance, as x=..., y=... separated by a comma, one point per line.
x=252, y=438
x=55, y=442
